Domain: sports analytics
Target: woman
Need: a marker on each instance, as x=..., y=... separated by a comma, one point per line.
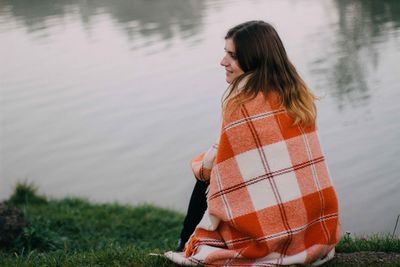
x=270, y=199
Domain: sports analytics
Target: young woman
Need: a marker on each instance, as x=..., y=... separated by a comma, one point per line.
x=270, y=200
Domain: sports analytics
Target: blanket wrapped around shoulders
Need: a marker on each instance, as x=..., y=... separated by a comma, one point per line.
x=270, y=199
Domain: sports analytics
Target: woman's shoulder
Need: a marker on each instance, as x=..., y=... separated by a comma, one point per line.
x=255, y=106
x=263, y=104
x=261, y=107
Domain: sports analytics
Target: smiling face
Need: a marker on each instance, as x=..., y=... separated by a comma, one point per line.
x=230, y=62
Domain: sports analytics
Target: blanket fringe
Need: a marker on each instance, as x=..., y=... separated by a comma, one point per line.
x=191, y=247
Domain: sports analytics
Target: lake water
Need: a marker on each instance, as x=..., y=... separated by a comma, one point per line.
x=109, y=100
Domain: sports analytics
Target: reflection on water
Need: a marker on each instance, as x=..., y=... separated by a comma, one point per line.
x=362, y=24
x=162, y=18
x=97, y=93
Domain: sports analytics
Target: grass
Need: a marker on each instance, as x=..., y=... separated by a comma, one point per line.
x=75, y=232
x=375, y=242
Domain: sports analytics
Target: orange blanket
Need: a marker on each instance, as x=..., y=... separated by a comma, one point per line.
x=270, y=199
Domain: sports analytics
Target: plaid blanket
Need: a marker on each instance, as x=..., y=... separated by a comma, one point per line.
x=270, y=198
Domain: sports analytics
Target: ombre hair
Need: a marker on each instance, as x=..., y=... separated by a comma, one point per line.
x=267, y=68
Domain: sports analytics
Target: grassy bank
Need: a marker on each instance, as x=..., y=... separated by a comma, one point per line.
x=74, y=232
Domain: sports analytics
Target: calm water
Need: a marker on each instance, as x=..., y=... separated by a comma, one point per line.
x=110, y=99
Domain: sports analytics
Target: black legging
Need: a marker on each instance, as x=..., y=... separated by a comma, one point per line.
x=196, y=209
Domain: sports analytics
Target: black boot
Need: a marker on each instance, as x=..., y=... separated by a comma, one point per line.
x=180, y=246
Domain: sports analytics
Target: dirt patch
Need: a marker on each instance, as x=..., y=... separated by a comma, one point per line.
x=366, y=258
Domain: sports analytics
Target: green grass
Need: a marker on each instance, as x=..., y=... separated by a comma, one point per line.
x=74, y=232
x=375, y=242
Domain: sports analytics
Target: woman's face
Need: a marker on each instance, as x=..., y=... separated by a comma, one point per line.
x=230, y=62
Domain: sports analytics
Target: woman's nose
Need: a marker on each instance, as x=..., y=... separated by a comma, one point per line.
x=224, y=62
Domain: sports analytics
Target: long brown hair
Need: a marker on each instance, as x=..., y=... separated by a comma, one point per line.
x=267, y=68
